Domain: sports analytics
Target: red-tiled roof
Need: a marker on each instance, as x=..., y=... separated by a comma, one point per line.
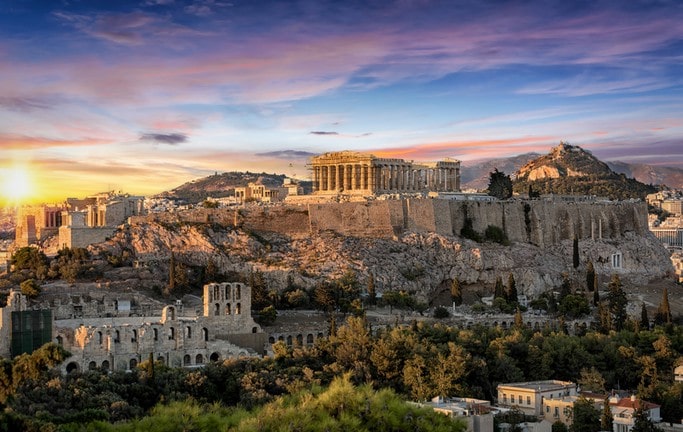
x=634, y=404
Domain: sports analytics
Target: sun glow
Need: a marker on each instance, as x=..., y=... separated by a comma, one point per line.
x=17, y=184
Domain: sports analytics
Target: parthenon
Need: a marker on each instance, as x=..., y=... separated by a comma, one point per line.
x=355, y=173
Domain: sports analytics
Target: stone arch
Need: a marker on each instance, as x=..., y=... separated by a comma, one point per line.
x=289, y=340
x=72, y=367
x=320, y=335
x=187, y=360
x=299, y=339
x=156, y=334
x=188, y=332
x=205, y=334
x=132, y=364
x=254, y=329
x=92, y=366
x=217, y=309
x=199, y=359
x=215, y=357
x=171, y=333
x=309, y=338
x=135, y=336
x=227, y=309
x=117, y=336
x=60, y=340
x=238, y=292
x=100, y=339
x=271, y=340
x=105, y=365
x=238, y=308
x=168, y=314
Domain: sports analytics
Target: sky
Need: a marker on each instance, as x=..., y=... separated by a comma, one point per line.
x=142, y=96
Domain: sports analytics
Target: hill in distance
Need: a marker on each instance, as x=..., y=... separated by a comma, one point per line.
x=220, y=185
x=571, y=170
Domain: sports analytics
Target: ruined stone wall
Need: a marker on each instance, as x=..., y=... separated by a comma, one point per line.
x=81, y=237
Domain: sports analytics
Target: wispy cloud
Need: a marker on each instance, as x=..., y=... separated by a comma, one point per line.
x=323, y=133
x=287, y=154
x=162, y=138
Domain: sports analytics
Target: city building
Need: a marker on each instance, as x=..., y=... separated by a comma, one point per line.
x=529, y=396
x=476, y=413
x=354, y=173
x=624, y=409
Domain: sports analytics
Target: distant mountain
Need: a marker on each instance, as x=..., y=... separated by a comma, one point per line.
x=650, y=174
x=571, y=170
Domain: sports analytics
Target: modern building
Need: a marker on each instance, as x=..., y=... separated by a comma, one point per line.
x=624, y=409
x=476, y=413
x=354, y=173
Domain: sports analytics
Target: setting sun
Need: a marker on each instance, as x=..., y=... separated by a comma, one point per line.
x=16, y=184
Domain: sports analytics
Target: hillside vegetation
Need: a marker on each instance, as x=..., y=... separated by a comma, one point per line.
x=570, y=170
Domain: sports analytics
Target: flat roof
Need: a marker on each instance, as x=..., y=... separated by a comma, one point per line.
x=542, y=386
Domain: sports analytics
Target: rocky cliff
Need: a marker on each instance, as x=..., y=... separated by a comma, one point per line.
x=406, y=244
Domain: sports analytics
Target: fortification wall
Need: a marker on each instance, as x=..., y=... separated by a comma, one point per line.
x=81, y=237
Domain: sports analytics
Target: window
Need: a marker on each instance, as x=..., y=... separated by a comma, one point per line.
x=505, y=398
x=188, y=332
x=547, y=409
x=557, y=411
x=528, y=400
x=171, y=333
x=238, y=308
x=227, y=309
x=135, y=336
x=156, y=334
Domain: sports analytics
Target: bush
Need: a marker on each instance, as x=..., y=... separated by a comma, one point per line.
x=441, y=313
x=30, y=288
x=496, y=234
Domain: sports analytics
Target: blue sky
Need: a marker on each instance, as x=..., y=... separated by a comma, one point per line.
x=144, y=95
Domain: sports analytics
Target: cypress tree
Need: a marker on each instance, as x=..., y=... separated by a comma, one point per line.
x=617, y=302
x=498, y=290
x=511, y=292
x=663, y=315
x=456, y=292
x=606, y=420
x=590, y=277
x=644, y=319
x=575, y=248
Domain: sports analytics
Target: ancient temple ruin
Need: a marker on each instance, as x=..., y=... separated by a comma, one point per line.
x=354, y=173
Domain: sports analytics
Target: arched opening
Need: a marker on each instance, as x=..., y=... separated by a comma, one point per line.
x=186, y=360
x=199, y=359
x=227, y=292
x=171, y=333
x=299, y=339
x=117, y=337
x=161, y=359
x=135, y=336
x=271, y=340
x=99, y=338
x=216, y=292
x=215, y=357
x=60, y=340
x=132, y=364
x=227, y=309
x=72, y=367
x=205, y=334
x=254, y=329
x=105, y=365
x=309, y=339
x=156, y=334
x=92, y=366
x=188, y=332
x=320, y=335
x=238, y=292
x=289, y=340
x=238, y=308
x=280, y=338
x=217, y=309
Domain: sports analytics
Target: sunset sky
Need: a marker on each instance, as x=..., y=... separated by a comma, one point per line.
x=142, y=96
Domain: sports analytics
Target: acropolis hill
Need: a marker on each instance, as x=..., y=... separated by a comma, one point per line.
x=406, y=243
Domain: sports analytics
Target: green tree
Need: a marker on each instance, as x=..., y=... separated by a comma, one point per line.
x=592, y=380
x=644, y=319
x=585, y=416
x=575, y=255
x=498, y=289
x=642, y=421
x=519, y=320
x=591, y=277
x=30, y=288
x=663, y=314
x=617, y=301
x=511, y=289
x=606, y=419
x=500, y=185
x=267, y=315
x=441, y=313
x=456, y=292
x=372, y=291
x=558, y=426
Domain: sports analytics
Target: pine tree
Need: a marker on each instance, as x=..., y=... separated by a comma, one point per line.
x=596, y=298
x=575, y=248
